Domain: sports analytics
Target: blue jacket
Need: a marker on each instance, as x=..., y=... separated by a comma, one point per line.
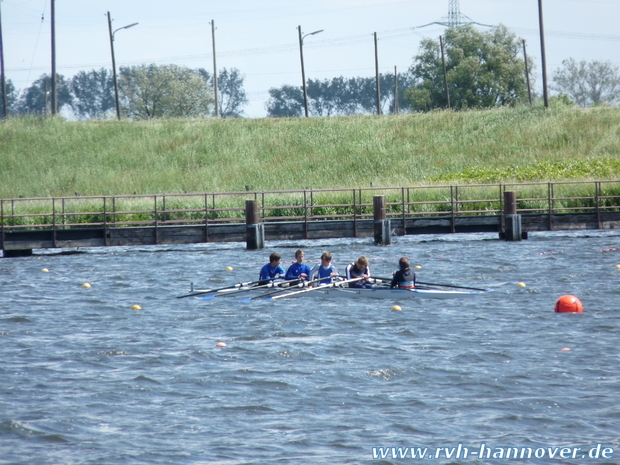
x=269, y=273
x=295, y=270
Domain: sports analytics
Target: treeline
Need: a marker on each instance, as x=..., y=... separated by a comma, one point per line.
x=342, y=97
x=474, y=70
x=145, y=92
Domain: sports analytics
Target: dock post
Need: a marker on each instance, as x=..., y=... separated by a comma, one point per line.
x=511, y=219
x=383, y=230
x=255, y=231
x=16, y=253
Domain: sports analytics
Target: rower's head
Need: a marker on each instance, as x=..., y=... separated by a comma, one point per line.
x=274, y=259
x=362, y=262
x=326, y=258
x=403, y=263
x=299, y=256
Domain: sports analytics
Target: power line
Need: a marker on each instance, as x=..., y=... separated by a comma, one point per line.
x=385, y=35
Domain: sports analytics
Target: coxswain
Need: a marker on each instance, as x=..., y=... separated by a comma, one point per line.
x=404, y=278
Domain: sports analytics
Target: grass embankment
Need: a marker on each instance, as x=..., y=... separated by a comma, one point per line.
x=52, y=157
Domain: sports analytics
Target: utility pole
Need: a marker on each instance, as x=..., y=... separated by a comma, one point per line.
x=377, y=77
x=116, y=100
x=303, y=72
x=396, y=109
x=54, y=90
x=527, y=73
x=542, y=54
x=445, y=72
x=217, y=106
x=5, y=110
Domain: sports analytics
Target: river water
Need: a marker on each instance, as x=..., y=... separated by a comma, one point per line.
x=86, y=379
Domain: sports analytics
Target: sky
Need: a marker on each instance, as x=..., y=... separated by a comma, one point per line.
x=260, y=37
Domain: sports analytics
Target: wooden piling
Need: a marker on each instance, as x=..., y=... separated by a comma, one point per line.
x=512, y=220
x=255, y=232
x=17, y=253
x=382, y=226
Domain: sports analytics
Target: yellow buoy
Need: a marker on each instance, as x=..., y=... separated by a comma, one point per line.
x=229, y=268
x=396, y=308
x=220, y=344
x=86, y=286
x=618, y=266
x=565, y=349
x=136, y=307
x=418, y=267
x=45, y=270
x=521, y=284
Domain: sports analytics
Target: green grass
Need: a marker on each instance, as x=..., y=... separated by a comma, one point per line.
x=45, y=157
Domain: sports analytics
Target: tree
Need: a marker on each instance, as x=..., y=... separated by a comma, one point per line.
x=286, y=101
x=367, y=93
x=339, y=96
x=232, y=94
x=169, y=91
x=588, y=83
x=11, y=99
x=329, y=98
x=93, y=93
x=483, y=70
x=37, y=99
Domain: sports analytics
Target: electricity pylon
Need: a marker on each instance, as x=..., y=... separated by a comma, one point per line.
x=454, y=18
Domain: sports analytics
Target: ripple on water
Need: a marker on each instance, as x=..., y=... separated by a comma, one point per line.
x=309, y=380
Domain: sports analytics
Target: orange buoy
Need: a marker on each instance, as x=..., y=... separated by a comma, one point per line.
x=568, y=304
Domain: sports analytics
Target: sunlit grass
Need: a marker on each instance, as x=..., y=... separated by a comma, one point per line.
x=52, y=157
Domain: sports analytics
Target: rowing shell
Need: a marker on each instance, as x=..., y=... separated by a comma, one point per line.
x=376, y=293
x=397, y=294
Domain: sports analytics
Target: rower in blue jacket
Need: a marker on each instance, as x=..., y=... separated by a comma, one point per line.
x=298, y=270
x=324, y=270
x=272, y=270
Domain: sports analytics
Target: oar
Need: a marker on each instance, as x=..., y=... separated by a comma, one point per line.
x=449, y=285
x=234, y=286
x=339, y=283
x=284, y=289
x=437, y=285
x=237, y=291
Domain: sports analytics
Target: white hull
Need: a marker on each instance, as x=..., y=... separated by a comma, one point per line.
x=396, y=294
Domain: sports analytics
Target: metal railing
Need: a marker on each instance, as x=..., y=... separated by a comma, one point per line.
x=304, y=205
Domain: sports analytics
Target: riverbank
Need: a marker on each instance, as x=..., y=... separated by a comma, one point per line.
x=52, y=157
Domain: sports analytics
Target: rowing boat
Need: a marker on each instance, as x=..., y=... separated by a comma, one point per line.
x=398, y=294
x=342, y=292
